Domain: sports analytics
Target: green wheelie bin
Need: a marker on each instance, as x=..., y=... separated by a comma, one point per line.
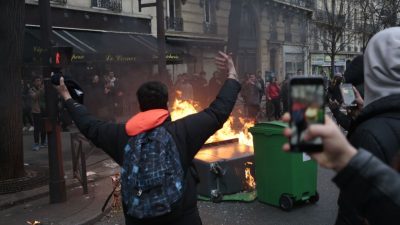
x=283, y=179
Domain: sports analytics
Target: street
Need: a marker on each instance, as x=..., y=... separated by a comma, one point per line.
x=255, y=213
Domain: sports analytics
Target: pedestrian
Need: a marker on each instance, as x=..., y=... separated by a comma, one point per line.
x=168, y=171
x=273, y=91
x=261, y=84
x=371, y=187
x=185, y=88
x=354, y=75
x=251, y=96
x=26, y=107
x=95, y=89
x=284, y=93
x=377, y=127
x=38, y=103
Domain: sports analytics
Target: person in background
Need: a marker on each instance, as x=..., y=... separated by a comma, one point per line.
x=261, y=84
x=26, y=107
x=273, y=91
x=94, y=90
x=251, y=96
x=370, y=186
x=284, y=93
x=185, y=88
x=199, y=83
x=38, y=103
x=354, y=75
x=333, y=93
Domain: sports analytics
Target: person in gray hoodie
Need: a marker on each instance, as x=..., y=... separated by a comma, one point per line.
x=377, y=128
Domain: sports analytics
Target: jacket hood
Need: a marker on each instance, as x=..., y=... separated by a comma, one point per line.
x=145, y=121
x=382, y=65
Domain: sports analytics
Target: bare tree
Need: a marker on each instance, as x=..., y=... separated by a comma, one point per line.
x=376, y=15
x=334, y=25
x=11, y=44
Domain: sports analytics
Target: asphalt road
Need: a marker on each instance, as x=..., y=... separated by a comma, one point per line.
x=255, y=213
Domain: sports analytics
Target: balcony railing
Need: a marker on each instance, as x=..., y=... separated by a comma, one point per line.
x=302, y=3
x=326, y=17
x=174, y=23
x=61, y=2
x=210, y=28
x=57, y=2
x=114, y=5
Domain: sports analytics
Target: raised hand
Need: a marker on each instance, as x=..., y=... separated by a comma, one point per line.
x=225, y=64
x=62, y=90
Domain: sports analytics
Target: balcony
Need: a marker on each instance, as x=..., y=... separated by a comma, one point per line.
x=113, y=5
x=174, y=23
x=210, y=28
x=308, y=4
x=60, y=2
x=323, y=16
x=56, y=2
x=301, y=3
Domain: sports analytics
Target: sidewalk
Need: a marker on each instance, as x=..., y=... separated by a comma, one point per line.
x=18, y=208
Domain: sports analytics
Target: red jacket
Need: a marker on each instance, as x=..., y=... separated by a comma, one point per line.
x=273, y=91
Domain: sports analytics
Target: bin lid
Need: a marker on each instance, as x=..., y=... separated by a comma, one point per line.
x=268, y=128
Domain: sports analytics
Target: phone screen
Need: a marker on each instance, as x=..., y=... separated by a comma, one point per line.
x=307, y=107
x=348, y=94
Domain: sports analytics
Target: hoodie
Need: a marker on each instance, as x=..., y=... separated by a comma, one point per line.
x=382, y=65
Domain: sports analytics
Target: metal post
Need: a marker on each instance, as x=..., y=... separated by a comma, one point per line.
x=161, y=39
x=56, y=170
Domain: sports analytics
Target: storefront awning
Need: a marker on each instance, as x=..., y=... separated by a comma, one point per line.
x=99, y=46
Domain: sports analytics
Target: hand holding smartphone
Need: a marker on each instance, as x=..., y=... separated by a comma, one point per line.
x=348, y=95
x=307, y=106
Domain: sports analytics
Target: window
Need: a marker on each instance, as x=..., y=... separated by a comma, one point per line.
x=114, y=5
x=207, y=11
x=173, y=19
x=209, y=7
x=171, y=8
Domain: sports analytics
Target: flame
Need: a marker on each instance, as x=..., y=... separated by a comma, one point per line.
x=251, y=183
x=182, y=108
x=35, y=222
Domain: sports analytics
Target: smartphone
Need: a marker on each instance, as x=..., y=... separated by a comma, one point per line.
x=348, y=95
x=307, y=106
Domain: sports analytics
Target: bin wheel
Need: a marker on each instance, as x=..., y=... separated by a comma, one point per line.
x=314, y=199
x=286, y=202
x=216, y=196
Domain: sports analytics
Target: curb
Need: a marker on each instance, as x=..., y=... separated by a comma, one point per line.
x=96, y=218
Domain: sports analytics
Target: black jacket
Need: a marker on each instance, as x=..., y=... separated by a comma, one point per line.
x=372, y=188
x=189, y=133
x=376, y=129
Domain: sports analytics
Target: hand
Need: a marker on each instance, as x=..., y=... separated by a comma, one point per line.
x=224, y=63
x=62, y=90
x=333, y=105
x=359, y=100
x=337, y=151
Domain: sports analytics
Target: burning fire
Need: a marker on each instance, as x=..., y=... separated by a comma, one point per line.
x=182, y=108
x=250, y=182
x=35, y=222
